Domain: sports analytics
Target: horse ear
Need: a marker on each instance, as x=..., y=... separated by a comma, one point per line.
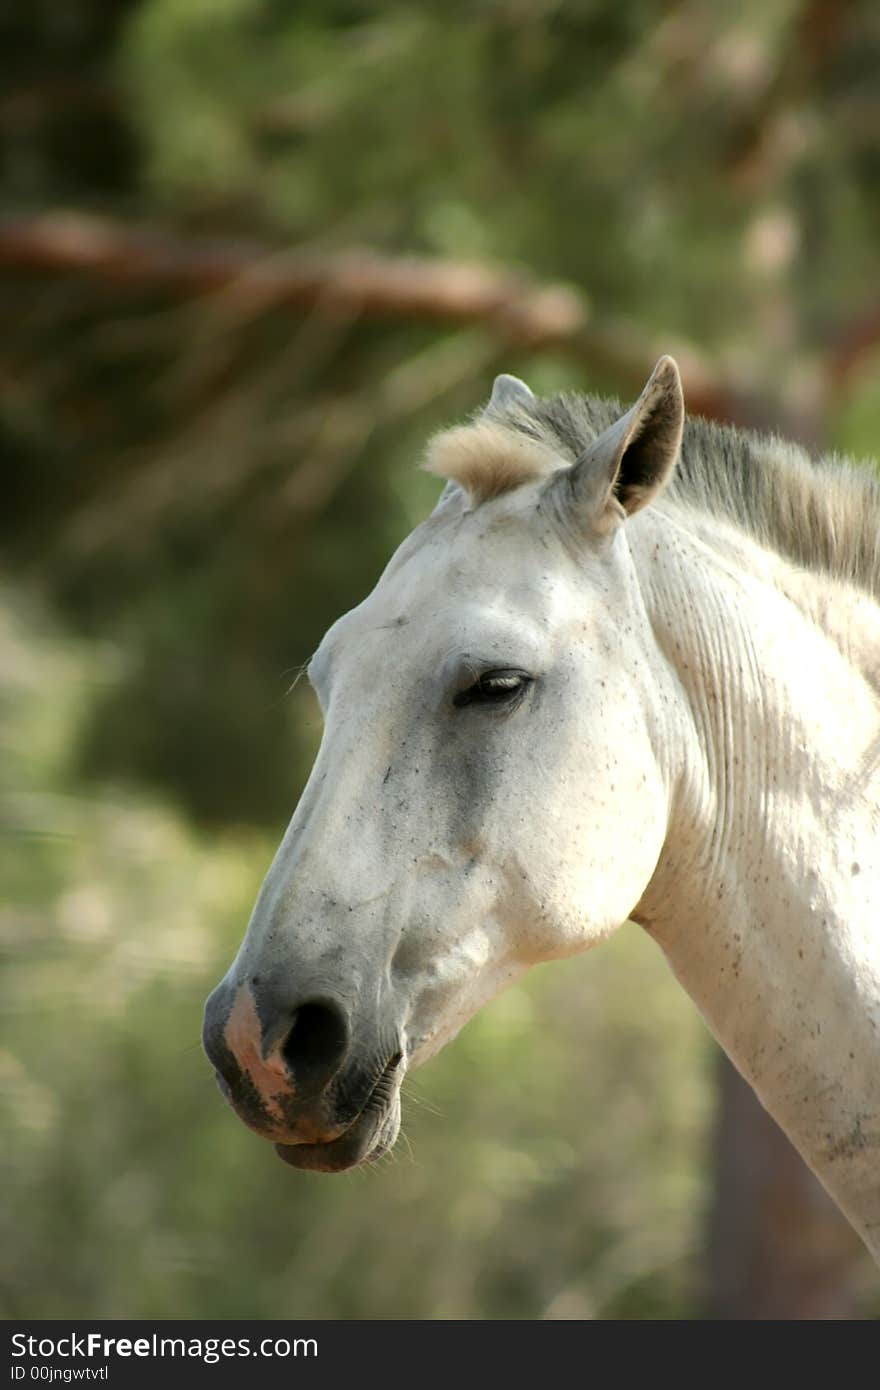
x=507, y=391
x=627, y=466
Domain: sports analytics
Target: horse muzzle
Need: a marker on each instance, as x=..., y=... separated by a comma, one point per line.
x=295, y=1076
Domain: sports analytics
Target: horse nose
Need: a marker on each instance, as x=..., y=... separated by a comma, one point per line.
x=214, y=1042
x=271, y=1038
x=316, y=1043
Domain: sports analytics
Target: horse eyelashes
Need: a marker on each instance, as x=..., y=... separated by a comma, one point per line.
x=494, y=688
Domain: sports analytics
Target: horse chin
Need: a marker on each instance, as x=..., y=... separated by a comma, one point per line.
x=371, y=1136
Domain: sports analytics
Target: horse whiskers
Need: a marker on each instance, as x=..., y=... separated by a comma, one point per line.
x=410, y=1094
x=410, y=1152
x=299, y=672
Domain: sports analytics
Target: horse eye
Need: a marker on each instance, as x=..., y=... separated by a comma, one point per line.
x=494, y=688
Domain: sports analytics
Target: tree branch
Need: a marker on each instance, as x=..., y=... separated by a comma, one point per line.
x=522, y=315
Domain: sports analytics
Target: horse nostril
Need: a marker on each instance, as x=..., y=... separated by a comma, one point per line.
x=316, y=1043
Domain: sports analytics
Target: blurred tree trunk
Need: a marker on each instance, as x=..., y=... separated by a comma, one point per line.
x=778, y=1247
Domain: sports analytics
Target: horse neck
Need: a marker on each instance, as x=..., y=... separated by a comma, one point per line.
x=766, y=897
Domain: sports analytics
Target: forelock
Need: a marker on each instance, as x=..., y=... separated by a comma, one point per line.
x=489, y=457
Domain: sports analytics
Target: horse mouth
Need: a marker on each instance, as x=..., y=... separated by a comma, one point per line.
x=369, y=1136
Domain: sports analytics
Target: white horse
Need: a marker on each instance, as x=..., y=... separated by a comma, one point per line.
x=592, y=686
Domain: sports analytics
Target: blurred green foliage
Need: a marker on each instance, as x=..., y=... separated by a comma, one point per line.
x=194, y=488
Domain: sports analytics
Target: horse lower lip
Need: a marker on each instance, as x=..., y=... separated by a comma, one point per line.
x=367, y=1136
x=347, y=1151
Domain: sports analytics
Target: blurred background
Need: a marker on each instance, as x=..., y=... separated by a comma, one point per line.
x=251, y=253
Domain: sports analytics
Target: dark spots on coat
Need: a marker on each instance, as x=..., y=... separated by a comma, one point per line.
x=387, y=774
x=855, y=869
x=852, y=1143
